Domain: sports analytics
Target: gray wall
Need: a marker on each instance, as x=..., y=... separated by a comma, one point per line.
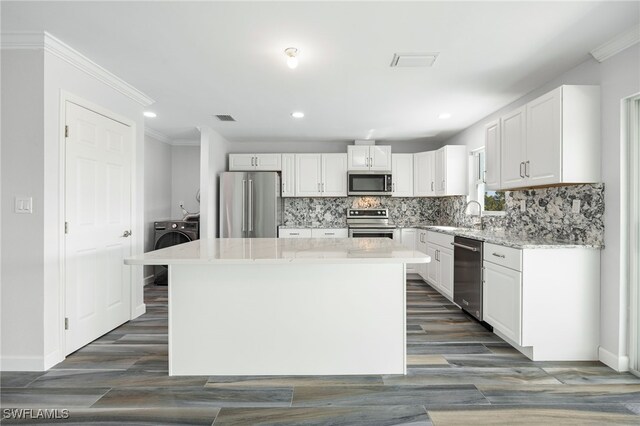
x=618, y=77
x=185, y=179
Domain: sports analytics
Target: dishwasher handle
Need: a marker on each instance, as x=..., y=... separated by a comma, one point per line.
x=465, y=247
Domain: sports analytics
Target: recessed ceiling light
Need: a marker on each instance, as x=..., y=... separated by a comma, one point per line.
x=292, y=60
x=149, y=114
x=444, y=116
x=297, y=114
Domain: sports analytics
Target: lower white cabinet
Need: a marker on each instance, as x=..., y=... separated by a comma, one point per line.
x=421, y=245
x=330, y=233
x=313, y=233
x=440, y=269
x=544, y=301
x=408, y=239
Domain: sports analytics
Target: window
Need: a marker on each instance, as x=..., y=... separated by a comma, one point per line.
x=492, y=202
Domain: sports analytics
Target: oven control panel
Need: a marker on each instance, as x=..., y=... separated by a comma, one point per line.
x=368, y=213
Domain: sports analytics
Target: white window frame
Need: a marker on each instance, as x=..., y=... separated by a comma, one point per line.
x=477, y=182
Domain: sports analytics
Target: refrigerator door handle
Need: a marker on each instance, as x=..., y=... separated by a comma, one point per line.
x=250, y=205
x=244, y=197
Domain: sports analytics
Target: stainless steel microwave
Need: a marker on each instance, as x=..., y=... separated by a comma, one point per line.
x=370, y=183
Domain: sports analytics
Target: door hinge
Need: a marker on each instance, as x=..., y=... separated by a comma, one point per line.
x=66, y=131
x=66, y=323
x=66, y=227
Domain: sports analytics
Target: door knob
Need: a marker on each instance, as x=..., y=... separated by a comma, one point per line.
x=126, y=233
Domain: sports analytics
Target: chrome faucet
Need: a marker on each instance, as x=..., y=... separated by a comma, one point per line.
x=464, y=211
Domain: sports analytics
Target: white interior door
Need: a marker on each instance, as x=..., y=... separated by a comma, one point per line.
x=97, y=213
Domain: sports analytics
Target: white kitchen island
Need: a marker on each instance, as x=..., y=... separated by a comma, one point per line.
x=271, y=306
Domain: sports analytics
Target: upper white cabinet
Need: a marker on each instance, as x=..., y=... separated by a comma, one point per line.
x=451, y=170
x=261, y=162
x=402, y=170
x=288, y=175
x=424, y=174
x=369, y=157
x=321, y=175
x=552, y=139
x=492, y=155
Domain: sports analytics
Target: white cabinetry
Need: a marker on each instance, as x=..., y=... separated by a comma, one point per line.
x=440, y=270
x=421, y=245
x=451, y=170
x=321, y=175
x=294, y=233
x=552, y=139
x=369, y=157
x=492, y=155
x=402, y=170
x=260, y=162
x=288, y=175
x=330, y=233
x=408, y=240
x=424, y=174
x=545, y=302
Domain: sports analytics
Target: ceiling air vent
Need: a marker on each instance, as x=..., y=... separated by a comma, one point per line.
x=413, y=60
x=225, y=117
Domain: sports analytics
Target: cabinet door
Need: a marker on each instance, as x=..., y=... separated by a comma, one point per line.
x=502, y=300
x=330, y=233
x=269, y=162
x=441, y=171
x=424, y=174
x=402, y=170
x=432, y=267
x=288, y=175
x=334, y=175
x=308, y=175
x=492, y=155
x=445, y=271
x=241, y=162
x=358, y=157
x=544, y=139
x=380, y=157
x=294, y=233
x=513, y=132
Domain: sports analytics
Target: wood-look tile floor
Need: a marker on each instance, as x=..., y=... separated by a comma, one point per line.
x=459, y=374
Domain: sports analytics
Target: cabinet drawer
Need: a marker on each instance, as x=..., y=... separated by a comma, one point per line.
x=442, y=240
x=504, y=256
x=330, y=233
x=295, y=233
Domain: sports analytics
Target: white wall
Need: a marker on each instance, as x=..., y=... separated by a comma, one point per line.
x=618, y=78
x=185, y=181
x=157, y=189
x=326, y=146
x=213, y=161
x=33, y=82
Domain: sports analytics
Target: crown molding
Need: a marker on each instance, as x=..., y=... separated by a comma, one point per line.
x=53, y=45
x=159, y=136
x=617, y=44
x=185, y=142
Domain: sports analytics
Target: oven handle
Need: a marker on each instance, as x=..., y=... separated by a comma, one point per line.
x=465, y=247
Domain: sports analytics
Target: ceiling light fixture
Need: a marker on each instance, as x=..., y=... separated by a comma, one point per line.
x=292, y=60
x=149, y=114
x=297, y=114
x=444, y=116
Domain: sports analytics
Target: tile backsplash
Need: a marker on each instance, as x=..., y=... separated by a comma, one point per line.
x=548, y=212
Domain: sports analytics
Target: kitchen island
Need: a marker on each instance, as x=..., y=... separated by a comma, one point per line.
x=269, y=306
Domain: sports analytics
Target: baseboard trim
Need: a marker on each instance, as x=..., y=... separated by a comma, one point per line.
x=52, y=359
x=618, y=363
x=139, y=310
x=22, y=363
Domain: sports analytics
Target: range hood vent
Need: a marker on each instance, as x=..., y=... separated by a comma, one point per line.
x=413, y=60
x=225, y=117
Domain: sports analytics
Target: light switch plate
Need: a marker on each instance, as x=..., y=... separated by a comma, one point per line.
x=523, y=205
x=24, y=205
x=575, y=206
x=404, y=207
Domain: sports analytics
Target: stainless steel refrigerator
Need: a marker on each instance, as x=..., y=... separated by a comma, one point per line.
x=250, y=205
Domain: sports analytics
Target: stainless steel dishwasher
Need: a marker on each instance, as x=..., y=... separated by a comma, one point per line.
x=467, y=275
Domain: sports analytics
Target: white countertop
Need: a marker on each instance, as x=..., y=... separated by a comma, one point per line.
x=281, y=250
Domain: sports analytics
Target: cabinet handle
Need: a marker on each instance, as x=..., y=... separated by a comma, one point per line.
x=526, y=168
x=431, y=185
x=393, y=185
x=319, y=190
x=329, y=233
x=438, y=255
x=294, y=233
x=499, y=255
x=521, y=173
x=322, y=186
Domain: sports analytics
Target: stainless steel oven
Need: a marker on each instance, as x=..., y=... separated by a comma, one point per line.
x=369, y=223
x=370, y=183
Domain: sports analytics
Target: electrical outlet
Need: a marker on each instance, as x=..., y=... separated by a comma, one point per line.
x=24, y=205
x=404, y=207
x=318, y=208
x=523, y=206
x=575, y=206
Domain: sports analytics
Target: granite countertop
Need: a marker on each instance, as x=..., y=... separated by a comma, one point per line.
x=507, y=239
x=281, y=251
